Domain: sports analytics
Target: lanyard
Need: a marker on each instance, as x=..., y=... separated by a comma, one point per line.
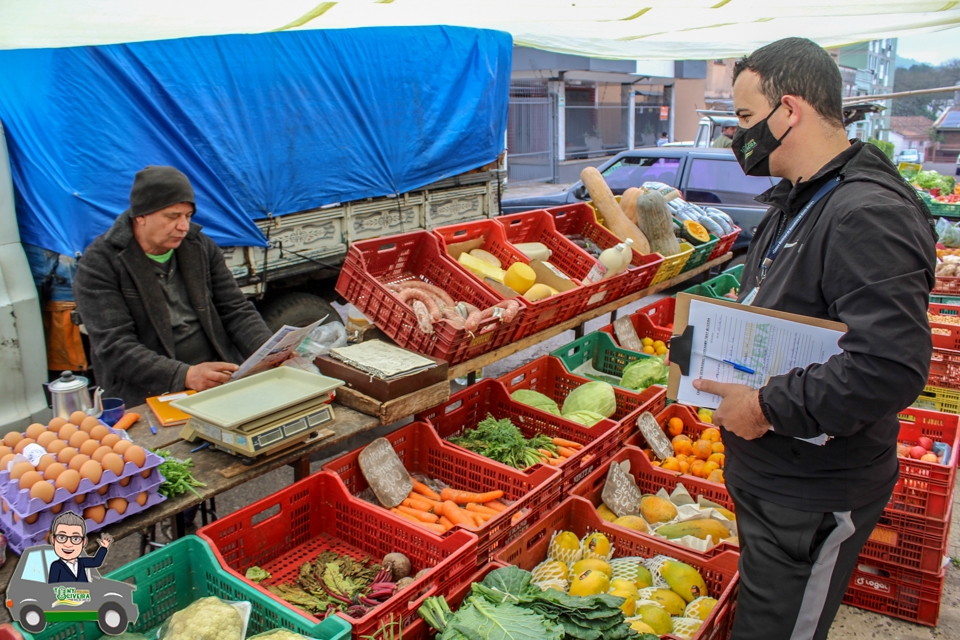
x=779, y=243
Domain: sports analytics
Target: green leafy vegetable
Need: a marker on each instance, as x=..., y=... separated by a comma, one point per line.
x=256, y=574
x=502, y=441
x=586, y=418
x=644, y=373
x=486, y=621
x=535, y=399
x=933, y=180
x=177, y=477
x=597, y=397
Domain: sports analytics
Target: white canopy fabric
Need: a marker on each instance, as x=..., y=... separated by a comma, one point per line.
x=621, y=29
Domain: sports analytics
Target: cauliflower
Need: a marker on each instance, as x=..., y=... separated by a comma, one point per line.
x=205, y=619
x=278, y=634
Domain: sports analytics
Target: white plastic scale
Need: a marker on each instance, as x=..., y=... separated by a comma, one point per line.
x=262, y=413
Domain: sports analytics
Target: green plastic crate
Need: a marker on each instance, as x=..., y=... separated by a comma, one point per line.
x=701, y=254
x=181, y=572
x=940, y=208
x=945, y=300
x=716, y=287
x=601, y=351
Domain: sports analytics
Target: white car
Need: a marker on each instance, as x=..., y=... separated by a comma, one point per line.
x=909, y=155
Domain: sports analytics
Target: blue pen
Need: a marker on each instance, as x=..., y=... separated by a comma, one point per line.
x=735, y=365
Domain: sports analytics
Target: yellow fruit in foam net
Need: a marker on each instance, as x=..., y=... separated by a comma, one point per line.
x=597, y=546
x=656, y=617
x=629, y=605
x=640, y=626
x=700, y=608
x=589, y=583
x=549, y=570
x=685, y=628
x=620, y=584
x=565, y=547
x=670, y=601
x=591, y=564
x=604, y=512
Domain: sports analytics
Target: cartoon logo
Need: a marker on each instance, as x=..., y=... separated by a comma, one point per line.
x=59, y=582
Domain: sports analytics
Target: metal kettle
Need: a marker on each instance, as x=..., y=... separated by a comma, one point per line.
x=69, y=393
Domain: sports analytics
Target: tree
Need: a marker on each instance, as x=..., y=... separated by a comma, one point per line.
x=925, y=76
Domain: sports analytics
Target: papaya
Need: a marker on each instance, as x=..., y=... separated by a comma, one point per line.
x=696, y=528
x=684, y=580
x=655, y=509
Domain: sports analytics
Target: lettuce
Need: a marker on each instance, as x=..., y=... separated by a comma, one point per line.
x=597, y=397
x=536, y=400
x=644, y=373
x=584, y=417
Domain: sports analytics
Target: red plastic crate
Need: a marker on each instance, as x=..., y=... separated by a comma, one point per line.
x=910, y=542
x=578, y=515
x=420, y=630
x=896, y=592
x=925, y=489
x=581, y=219
x=944, y=367
x=945, y=335
x=422, y=451
x=538, y=226
x=693, y=427
x=548, y=376
x=468, y=407
x=295, y=524
x=645, y=325
x=651, y=479
x=373, y=264
x=946, y=286
x=725, y=245
x=537, y=315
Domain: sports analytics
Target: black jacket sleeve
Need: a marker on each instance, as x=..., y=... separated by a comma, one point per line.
x=240, y=318
x=878, y=272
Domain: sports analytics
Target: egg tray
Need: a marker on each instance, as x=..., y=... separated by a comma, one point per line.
x=45, y=519
x=25, y=506
x=17, y=542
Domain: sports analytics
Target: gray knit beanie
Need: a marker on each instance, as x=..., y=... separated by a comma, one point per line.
x=156, y=188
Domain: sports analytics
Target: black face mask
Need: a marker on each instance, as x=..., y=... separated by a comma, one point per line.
x=753, y=146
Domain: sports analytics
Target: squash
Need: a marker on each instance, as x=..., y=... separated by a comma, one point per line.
x=695, y=233
x=628, y=203
x=613, y=216
x=656, y=222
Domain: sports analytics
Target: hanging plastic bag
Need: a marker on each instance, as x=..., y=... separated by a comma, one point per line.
x=322, y=339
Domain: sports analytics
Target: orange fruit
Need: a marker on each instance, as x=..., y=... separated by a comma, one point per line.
x=655, y=463
x=675, y=426
x=684, y=466
x=717, y=458
x=696, y=466
x=716, y=476
x=681, y=457
x=683, y=447
x=670, y=464
x=708, y=468
x=680, y=438
x=702, y=449
x=648, y=453
x=718, y=447
x=712, y=434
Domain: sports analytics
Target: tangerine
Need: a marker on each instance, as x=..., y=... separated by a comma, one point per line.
x=695, y=468
x=702, y=449
x=675, y=426
x=684, y=466
x=718, y=447
x=680, y=438
x=683, y=447
x=670, y=464
x=712, y=434
x=717, y=458
x=708, y=468
x=648, y=453
x=716, y=476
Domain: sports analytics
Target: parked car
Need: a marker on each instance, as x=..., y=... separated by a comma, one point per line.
x=909, y=155
x=705, y=176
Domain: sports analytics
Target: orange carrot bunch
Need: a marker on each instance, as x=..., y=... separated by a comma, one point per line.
x=440, y=512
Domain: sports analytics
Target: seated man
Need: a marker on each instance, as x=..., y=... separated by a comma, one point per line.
x=725, y=139
x=162, y=310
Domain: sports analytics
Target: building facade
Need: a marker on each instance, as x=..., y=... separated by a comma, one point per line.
x=874, y=64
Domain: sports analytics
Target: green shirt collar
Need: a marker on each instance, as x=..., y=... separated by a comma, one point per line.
x=163, y=258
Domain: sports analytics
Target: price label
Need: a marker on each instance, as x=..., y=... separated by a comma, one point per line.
x=620, y=493
x=33, y=453
x=385, y=473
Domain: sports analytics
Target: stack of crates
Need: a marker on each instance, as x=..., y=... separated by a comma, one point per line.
x=942, y=392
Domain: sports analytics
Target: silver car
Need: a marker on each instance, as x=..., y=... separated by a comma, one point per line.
x=33, y=603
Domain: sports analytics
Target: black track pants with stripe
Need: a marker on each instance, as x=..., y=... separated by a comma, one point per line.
x=795, y=566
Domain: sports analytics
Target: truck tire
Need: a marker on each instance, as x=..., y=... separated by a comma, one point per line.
x=298, y=310
x=32, y=618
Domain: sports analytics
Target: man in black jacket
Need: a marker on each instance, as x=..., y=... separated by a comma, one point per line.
x=162, y=310
x=811, y=457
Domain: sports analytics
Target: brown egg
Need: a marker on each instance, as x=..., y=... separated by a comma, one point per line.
x=66, y=431
x=89, y=447
x=103, y=490
x=12, y=438
x=113, y=462
x=136, y=455
x=91, y=470
x=55, y=424
x=31, y=519
x=45, y=461
x=88, y=424
x=146, y=473
x=78, y=439
x=142, y=498
x=80, y=498
x=16, y=518
x=101, y=451
x=6, y=507
x=96, y=513
x=29, y=479
x=110, y=439
x=7, y=458
x=23, y=444
x=54, y=470
x=122, y=446
x=55, y=509
x=77, y=461
x=56, y=446
x=67, y=455
x=4, y=450
x=124, y=482
x=19, y=469
x=34, y=430
x=43, y=490
x=77, y=417
x=45, y=438
x=99, y=432
x=117, y=504
x=68, y=480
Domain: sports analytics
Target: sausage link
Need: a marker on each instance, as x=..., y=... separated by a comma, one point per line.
x=423, y=317
x=437, y=292
x=408, y=295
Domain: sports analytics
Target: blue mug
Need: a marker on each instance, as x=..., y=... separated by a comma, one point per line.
x=113, y=410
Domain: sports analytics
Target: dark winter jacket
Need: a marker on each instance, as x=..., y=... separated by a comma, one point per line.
x=864, y=256
x=125, y=313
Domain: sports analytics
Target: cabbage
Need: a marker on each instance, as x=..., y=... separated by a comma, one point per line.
x=933, y=180
x=584, y=417
x=643, y=373
x=536, y=400
x=597, y=397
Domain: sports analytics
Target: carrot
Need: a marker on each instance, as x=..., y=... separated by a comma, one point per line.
x=481, y=518
x=570, y=444
x=424, y=490
x=445, y=521
x=479, y=508
x=436, y=528
x=496, y=505
x=422, y=516
x=463, y=497
x=456, y=515
x=422, y=505
x=547, y=454
x=565, y=452
x=128, y=420
x=555, y=462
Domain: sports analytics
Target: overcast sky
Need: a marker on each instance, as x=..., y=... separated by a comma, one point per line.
x=932, y=48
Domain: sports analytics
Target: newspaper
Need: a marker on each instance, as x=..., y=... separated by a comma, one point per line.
x=382, y=360
x=276, y=350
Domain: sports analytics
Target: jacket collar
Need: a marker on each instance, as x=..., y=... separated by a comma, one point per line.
x=790, y=198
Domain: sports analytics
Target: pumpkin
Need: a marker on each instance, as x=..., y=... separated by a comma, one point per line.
x=695, y=232
x=613, y=216
x=628, y=203
x=656, y=222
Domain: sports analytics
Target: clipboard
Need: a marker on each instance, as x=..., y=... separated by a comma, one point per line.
x=167, y=415
x=684, y=351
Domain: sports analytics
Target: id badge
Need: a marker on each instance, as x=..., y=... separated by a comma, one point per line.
x=750, y=297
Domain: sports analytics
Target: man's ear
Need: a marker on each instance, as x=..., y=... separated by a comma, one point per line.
x=140, y=220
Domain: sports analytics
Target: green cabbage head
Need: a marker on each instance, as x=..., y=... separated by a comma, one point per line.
x=535, y=399
x=643, y=373
x=597, y=397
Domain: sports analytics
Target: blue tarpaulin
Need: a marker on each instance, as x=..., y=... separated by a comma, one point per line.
x=262, y=124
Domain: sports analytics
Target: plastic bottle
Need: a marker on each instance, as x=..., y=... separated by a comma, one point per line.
x=626, y=254
x=608, y=264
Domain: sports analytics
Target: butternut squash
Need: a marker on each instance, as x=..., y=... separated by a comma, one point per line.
x=613, y=216
x=656, y=222
x=628, y=203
